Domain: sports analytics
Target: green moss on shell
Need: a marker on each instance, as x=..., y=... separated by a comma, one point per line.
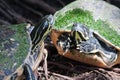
x=77, y=15
x=21, y=37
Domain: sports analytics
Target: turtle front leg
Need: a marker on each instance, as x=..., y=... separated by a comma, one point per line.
x=86, y=47
x=43, y=64
x=28, y=73
x=108, y=57
x=24, y=72
x=64, y=41
x=91, y=46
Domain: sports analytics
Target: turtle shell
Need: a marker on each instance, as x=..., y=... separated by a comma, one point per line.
x=92, y=59
x=14, y=47
x=82, y=12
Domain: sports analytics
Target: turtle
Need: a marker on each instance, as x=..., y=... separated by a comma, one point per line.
x=23, y=49
x=85, y=45
x=77, y=43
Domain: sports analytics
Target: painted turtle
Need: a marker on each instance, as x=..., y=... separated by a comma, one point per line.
x=86, y=45
x=22, y=49
x=87, y=32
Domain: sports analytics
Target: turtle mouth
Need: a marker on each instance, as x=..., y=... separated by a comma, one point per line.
x=109, y=52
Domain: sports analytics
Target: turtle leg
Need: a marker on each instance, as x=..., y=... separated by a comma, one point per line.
x=89, y=48
x=108, y=57
x=13, y=76
x=28, y=73
x=64, y=41
x=92, y=46
x=107, y=51
x=17, y=75
x=86, y=47
x=42, y=69
x=45, y=64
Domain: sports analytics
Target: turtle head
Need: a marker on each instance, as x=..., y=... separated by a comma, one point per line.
x=45, y=25
x=41, y=30
x=79, y=32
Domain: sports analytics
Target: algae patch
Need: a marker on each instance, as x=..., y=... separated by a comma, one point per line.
x=85, y=17
x=14, y=46
x=22, y=37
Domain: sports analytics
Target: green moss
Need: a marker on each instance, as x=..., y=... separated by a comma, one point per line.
x=21, y=37
x=85, y=17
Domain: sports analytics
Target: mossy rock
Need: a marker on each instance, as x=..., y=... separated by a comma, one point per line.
x=96, y=14
x=14, y=46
